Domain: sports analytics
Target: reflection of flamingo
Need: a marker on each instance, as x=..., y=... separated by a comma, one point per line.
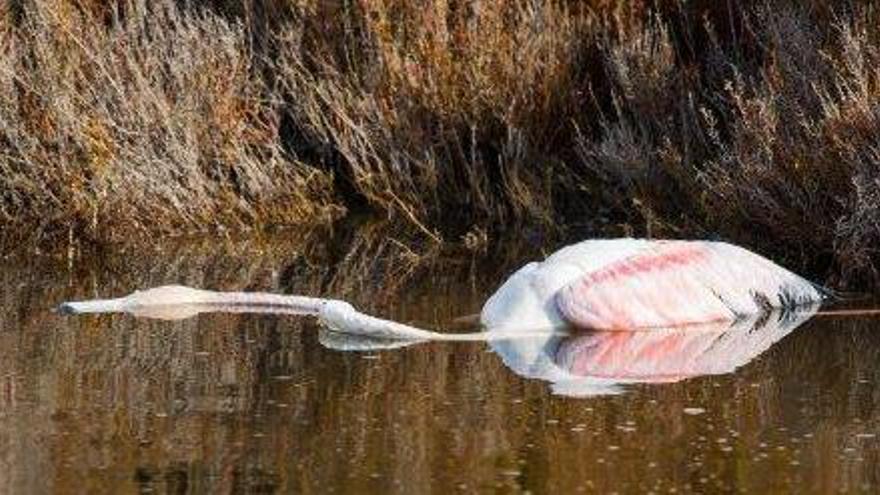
x=596, y=363
x=601, y=284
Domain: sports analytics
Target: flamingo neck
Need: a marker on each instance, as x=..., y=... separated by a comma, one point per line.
x=342, y=317
x=177, y=302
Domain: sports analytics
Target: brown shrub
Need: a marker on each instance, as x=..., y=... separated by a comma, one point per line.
x=778, y=152
x=801, y=167
x=151, y=122
x=750, y=121
x=437, y=108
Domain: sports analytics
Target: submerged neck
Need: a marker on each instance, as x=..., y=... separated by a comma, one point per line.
x=177, y=302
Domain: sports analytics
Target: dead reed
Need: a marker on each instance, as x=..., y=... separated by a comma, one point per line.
x=140, y=120
x=749, y=121
x=771, y=142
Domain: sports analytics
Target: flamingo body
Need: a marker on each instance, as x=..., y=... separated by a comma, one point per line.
x=635, y=283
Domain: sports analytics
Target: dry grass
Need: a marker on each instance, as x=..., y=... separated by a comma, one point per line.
x=779, y=152
x=435, y=108
x=141, y=120
x=750, y=121
x=802, y=164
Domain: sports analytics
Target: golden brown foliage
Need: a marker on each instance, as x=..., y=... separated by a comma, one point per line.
x=778, y=151
x=438, y=107
x=141, y=120
x=750, y=121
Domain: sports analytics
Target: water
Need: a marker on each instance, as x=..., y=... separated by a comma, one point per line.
x=258, y=404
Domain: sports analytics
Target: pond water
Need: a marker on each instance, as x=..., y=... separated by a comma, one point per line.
x=225, y=403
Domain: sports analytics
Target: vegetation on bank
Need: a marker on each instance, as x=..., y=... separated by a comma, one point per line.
x=752, y=121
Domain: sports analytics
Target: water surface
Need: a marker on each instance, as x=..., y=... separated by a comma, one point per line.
x=260, y=403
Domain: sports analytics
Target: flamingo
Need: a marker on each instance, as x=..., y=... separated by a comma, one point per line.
x=606, y=284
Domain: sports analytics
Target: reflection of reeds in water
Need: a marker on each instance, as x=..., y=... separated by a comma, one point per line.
x=241, y=403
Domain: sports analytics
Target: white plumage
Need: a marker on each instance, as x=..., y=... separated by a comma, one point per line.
x=630, y=283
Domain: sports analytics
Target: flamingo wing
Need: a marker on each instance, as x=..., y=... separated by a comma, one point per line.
x=677, y=283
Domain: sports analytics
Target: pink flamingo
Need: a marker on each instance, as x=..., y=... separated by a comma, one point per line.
x=614, y=285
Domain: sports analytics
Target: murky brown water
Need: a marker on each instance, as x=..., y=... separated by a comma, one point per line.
x=256, y=403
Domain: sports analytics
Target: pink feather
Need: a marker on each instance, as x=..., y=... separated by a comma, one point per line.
x=673, y=283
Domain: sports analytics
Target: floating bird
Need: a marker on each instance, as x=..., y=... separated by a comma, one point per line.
x=624, y=284
x=612, y=285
